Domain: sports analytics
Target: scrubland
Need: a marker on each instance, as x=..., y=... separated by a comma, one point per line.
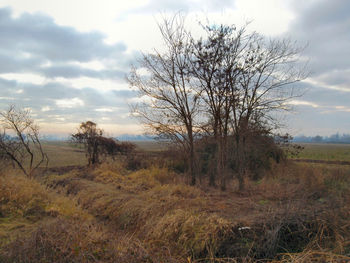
x=298, y=212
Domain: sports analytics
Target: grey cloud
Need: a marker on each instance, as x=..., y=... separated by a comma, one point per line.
x=73, y=71
x=327, y=97
x=11, y=64
x=30, y=41
x=325, y=26
x=328, y=117
x=38, y=34
x=39, y=97
x=125, y=93
x=68, y=71
x=336, y=77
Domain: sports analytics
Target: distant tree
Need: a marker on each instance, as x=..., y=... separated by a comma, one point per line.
x=319, y=139
x=88, y=134
x=19, y=140
x=96, y=145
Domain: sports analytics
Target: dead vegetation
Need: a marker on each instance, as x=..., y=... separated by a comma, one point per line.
x=297, y=213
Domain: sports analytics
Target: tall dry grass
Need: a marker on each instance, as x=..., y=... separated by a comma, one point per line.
x=297, y=213
x=37, y=225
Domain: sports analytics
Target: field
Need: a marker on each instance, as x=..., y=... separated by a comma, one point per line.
x=64, y=154
x=326, y=152
x=299, y=212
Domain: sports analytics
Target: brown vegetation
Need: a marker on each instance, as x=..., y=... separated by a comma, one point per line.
x=296, y=213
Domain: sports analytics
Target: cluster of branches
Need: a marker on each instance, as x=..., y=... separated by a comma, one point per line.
x=224, y=85
x=96, y=145
x=19, y=140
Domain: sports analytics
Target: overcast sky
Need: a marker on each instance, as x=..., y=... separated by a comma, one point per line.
x=67, y=60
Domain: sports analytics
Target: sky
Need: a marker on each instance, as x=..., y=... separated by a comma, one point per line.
x=67, y=61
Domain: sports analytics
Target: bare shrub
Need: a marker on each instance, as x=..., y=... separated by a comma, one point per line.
x=19, y=140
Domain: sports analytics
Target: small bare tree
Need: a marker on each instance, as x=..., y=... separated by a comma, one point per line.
x=19, y=140
x=172, y=102
x=97, y=146
x=88, y=134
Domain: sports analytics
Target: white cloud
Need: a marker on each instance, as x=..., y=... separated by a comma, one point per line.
x=317, y=83
x=304, y=103
x=70, y=103
x=24, y=77
x=105, y=109
x=45, y=109
x=98, y=84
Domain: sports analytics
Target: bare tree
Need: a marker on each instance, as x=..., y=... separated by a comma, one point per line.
x=243, y=78
x=171, y=105
x=88, y=135
x=239, y=79
x=214, y=66
x=96, y=145
x=268, y=68
x=19, y=140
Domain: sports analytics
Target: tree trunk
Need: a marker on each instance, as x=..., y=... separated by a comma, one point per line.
x=241, y=161
x=212, y=179
x=191, y=160
x=223, y=182
x=241, y=184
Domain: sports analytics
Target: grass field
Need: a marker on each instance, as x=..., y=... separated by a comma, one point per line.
x=325, y=152
x=65, y=154
x=62, y=153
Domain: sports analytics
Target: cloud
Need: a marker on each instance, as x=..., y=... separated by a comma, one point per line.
x=38, y=35
x=56, y=102
x=325, y=26
x=70, y=103
x=34, y=43
x=42, y=63
x=305, y=103
x=156, y=6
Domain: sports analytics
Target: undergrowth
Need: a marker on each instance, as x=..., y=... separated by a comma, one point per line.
x=297, y=213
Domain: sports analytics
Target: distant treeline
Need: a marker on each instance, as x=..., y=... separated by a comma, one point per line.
x=335, y=138
x=123, y=137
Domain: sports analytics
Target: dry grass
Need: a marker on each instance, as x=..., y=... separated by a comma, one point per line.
x=286, y=211
x=68, y=240
x=37, y=225
x=298, y=213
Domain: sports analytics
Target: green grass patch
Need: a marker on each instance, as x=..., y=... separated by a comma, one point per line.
x=325, y=152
